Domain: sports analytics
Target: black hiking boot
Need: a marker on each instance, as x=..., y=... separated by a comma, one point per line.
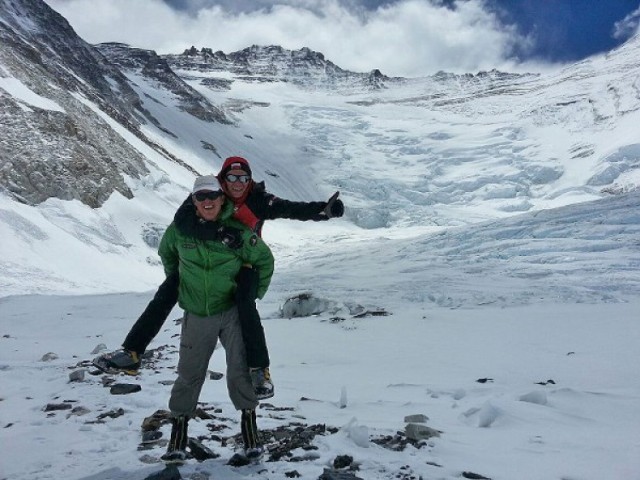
x=119, y=361
x=253, y=448
x=177, y=449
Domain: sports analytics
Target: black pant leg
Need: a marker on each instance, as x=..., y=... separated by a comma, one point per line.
x=149, y=323
x=255, y=342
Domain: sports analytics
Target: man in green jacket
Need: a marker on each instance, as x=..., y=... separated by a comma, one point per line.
x=207, y=271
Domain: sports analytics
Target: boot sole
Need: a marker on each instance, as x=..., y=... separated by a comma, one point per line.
x=114, y=371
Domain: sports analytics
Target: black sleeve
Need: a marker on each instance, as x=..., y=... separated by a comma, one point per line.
x=267, y=206
x=189, y=224
x=185, y=218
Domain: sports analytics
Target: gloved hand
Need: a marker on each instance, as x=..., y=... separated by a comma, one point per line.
x=230, y=236
x=334, y=207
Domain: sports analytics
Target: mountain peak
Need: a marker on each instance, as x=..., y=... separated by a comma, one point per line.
x=274, y=63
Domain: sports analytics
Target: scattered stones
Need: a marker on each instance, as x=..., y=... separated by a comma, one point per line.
x=406, y=473
x=306, y=304
x=162, y=443
x=270, y=406
x=118, y=412
x=292, y=442
x=238, y=460
x=283, y=440
x=203, y=414
x=342, y=461
x=170, y=472
x=331, y=474
x=79, y=411
x=397, y=442
x=53, y=407
x=381, y=312
x=47, y=357
x=484, y=380
x=124, y=388
x=106, y=381
x=149, y=459
x=216, y=427
x=77, y=376
x=417, y=418
x=417, y=432
x=155, y=421
x=200, y=476
x=474, y=476
x=307, y=457
x=199, y=451
x=548, y=382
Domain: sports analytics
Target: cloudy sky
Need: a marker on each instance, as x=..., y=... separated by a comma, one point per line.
x=399, y=37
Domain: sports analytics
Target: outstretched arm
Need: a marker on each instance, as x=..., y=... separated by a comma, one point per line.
x=270, y=207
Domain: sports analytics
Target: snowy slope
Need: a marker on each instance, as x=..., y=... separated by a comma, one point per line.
x=541, y=307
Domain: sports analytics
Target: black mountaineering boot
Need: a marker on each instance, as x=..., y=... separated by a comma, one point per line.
x=125, y=361
x=177, y=449
x=253, y=448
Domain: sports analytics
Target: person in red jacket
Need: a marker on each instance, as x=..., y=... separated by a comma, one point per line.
x=252, y=206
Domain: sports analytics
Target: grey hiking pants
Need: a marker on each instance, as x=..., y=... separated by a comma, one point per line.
x=198, y=339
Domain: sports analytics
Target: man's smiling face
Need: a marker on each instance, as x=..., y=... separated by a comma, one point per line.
x=207, y=207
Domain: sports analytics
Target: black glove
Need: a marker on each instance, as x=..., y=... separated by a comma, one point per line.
x=230, y=236
x=334, y=207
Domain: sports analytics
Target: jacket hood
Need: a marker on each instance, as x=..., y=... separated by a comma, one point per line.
x=235, y=163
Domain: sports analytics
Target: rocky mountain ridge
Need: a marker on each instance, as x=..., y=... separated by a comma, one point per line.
x=150, y=65
x=303, y=67
x=64, y=151
x=62, y=104
x=71, y=149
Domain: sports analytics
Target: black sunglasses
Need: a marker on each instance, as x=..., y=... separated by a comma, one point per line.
x=211, y=195
x=237, y=178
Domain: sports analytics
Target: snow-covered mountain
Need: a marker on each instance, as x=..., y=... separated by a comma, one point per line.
x=121, y=128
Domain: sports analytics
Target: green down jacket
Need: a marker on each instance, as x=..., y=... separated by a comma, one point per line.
x=208, y=268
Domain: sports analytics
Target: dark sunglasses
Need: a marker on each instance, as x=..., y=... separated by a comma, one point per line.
x=211, y=195
x=237, y=178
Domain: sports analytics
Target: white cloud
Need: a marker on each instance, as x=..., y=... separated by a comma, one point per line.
x=628, y=26
x=408, y=38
